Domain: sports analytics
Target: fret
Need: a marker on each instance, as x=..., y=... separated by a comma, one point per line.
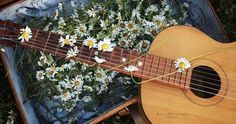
x=157, y=68
x=183, y=79
x=126, y=55
x=110, y=59
x=178, y=78
x=139, y=72
x=188, y=78
x=85, y=53
x=46, y=41
x=133, y=57
x=121, y=56
x=167, y=69
x=144, y=64
x=80, y=51
x=173, y=69
x=33, y=42
x=151, y=66
x=164, y=68
x=57, y=48
x=154, y=66
x=161, y=68
x=34, y=36
x=117, y=56
x=106, y=56
x=92, y=53
x=147, y=66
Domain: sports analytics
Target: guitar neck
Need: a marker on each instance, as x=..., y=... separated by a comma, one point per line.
x=149, y=66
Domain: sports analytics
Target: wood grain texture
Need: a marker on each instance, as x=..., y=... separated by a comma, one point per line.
x=164, y=104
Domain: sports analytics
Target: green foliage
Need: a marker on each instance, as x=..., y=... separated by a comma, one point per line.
x=226, y=11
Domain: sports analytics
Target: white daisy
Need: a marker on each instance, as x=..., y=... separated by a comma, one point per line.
x=90, y=42
x=159, y=19
x=60, y=6
x=103, y=24
x=51, y=71
x=61, y=23
x=86, y=99
x=73, y=38
x=66, y=41
x=91, y=13
x=100, y=75
x=72, y=52
x=65, y=96
x=125, y=80
x=26, y=34
x=77, y=82
x=88, y=88
x=130, y=25
x=82, y=30
x=99, y=60
x=181, y=64
x=65, y=84
x=105, y=45
x=40, y=75
x=131, y=68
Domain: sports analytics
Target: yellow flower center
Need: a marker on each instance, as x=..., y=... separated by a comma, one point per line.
x=122, y=43
x=158, y=22
x=65, y=95
x=62, y=66
x=122, y=25
x=99, y=75
x=40, y=75
x=105, y=46
x=135, y=31
x=25, y=35
x=130, y=25
x=81, y=29
x=182, y=65
x=66, y=41
x=90, y=43
x=77, y=83
x=106, y=80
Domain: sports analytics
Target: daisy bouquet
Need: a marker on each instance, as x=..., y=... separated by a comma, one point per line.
x=101, y=25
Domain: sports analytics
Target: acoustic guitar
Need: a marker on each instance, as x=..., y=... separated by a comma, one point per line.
x=204, y=93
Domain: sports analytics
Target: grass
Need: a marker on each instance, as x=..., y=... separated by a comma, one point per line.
x=225, y=9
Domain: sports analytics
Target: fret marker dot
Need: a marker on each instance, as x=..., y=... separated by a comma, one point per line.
x=96, y=53
x=140, y=63
x=123, y=59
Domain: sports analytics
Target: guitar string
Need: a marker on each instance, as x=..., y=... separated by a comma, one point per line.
x=197, y=85
x=128, y=55
x=180, y=76
x=167, y=58
x=213, y=93
x=105, y=53
x=110, y=59
x=38, y=33
x=200, y=90
x=153, y=69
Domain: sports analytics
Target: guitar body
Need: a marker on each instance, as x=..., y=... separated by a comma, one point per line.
x=164, y=104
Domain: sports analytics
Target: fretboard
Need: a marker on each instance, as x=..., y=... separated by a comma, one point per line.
x=151, y=66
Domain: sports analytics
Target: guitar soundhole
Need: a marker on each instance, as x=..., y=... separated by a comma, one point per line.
x=205, y=82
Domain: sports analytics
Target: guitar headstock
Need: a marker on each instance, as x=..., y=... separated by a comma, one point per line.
x=8, y=33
